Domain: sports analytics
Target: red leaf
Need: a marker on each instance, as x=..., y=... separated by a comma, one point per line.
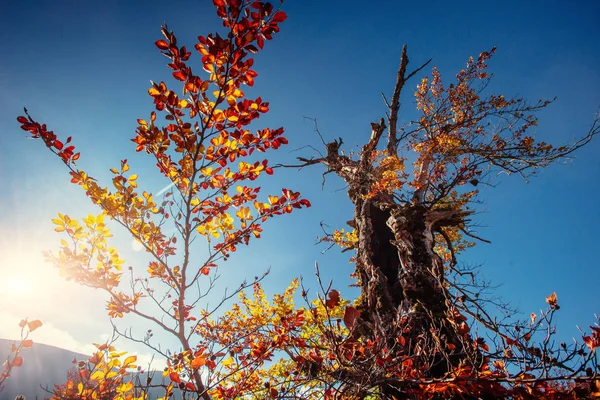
x=260, y=41
x=174, y=376
x=252, y=49
x=350, y=316
x=279, y=16
x=58, y=144
x=267, y=9
x=334, y=299
x=179, y=75
x=161, y=44
x=590, y=342
x=305, y=202
x=17, y=362
x=22, y=120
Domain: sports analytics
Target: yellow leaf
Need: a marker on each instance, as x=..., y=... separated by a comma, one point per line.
x=129, y=360
x=97, y=375
x=208, y=171
x=133, y=177
x=227, y=362
x=125, y=387
x=111, y=374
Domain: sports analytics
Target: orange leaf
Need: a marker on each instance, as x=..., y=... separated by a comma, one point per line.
x=401, y=340
x=27, y=343
x=17, y=362
x=161, y=44
x=198, y=362
x=33, y=325
x=552, y=300
x=589, y=342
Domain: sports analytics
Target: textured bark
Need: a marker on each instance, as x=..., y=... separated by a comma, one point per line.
x=400, y=275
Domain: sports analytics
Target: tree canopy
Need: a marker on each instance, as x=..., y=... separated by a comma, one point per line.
x=421, y=327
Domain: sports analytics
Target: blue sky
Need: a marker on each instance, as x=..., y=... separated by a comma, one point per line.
x=84, y=69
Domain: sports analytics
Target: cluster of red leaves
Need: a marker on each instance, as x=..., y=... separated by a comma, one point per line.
x=593, y=341
x=14, y=359
x=40, y=131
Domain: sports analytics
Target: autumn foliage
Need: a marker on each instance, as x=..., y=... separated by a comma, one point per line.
x=14, y=358
x=411, y=332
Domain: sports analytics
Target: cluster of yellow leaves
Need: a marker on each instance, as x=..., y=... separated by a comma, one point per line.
x=127, y=206
x=459, y=243
x=257, y=330
x=87, y=259
x=388, y=171
x=344, y=239
x=214, y=225
x=107, y=374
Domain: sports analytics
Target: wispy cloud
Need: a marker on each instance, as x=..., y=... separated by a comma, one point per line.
x=163, y=190
x=51, y=335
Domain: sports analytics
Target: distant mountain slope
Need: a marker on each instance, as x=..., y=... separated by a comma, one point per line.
x=43, y=364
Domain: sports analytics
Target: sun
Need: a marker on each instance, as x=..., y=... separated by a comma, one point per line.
x=17, y=284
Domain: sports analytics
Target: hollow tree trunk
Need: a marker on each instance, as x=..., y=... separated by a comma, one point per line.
x=403, y=287
x=402, y=284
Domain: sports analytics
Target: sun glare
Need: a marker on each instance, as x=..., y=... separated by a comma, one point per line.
x=17, y=284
